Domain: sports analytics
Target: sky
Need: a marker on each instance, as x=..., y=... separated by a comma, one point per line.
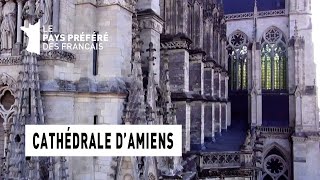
x=316, y=38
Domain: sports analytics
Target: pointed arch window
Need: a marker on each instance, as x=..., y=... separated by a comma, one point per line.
x=275, y=166
x=238, y=60
x=273, y=60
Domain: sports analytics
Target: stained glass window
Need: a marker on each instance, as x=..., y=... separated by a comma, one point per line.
x=273, y=60
x=238, y=51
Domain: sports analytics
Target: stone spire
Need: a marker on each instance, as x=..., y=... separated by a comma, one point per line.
x=151, y=87
x=29, y=111
x=255, y=17
x=135, y=106
x=168, y=107
x=168, y=166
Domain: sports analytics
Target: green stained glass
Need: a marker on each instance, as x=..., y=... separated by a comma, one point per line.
x=239, y=76
x=239, y=68
x=273, y=66
x=263, y=74
x=244, y=74
x=268, y=72
x=276, y=72
x=284, y=72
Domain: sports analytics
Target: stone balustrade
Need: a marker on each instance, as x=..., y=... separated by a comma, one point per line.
x=275, y=130
x=218, y=160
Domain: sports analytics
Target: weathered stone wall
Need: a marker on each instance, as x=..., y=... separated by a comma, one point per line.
x=195, y=77
x=196, y=125
x=208, y=84
x=183, y=118
x=67, y=16
x=208, y=122
x=194, y=36
x=179, y=70
x=305, y=163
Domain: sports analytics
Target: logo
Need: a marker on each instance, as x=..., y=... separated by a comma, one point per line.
x=53, y=41
x=33, y=32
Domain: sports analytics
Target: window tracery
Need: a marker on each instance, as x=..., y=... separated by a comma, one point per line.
x=275, y=164
x=238, y=59
x=273, y=60
x=275, y=168
x=7, y=101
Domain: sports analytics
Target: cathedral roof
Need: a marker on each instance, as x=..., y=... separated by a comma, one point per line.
x=243, y=6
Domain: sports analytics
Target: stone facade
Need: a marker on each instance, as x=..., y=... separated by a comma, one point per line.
x=168, y=62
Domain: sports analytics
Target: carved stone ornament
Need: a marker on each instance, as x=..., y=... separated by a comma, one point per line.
x=180, y=44
x=247, y=143
x=197, y=57
x=10, y=60
x=151, y=24
x=151, y=177
x=58, y=55
x=209, y=65
x=8, y=25
x=275, y=166
x=127, y=4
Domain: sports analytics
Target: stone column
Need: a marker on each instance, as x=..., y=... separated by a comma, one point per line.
x=250, y=66
x=151, y=27
x=223, y=111
x=215, y=45
x=217, y=82
x=202, y=125
x=217, y=115
x=208, y=111
x=211, y=41
x=213, y=132
x=226, y=79
x=196, y=73
x=183, y=118
x=19, y=22
x=196, y=80
x=255, y=90
x=306, y=112
x=222, y=85
x=55, y=15
x=18, y=45
x=223, y=99
x=206, y=38
x=292, y=84
x=196, y=137
x=178, y=57
x=178, y=63
x=219, y=49
x=257, y=59
x=176, y=13
x=214, y=91
x=224, y=54
x=6, y=129
x=208, y=76
x=229, y=113
x=208, y=122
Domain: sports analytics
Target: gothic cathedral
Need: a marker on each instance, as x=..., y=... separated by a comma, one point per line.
x=238, y=75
